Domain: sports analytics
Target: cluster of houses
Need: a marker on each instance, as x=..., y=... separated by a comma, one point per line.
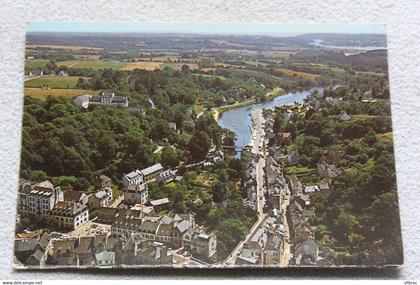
x=275, y=184
x=136, y=183
x=45, y=202
x=265, y=247
x=40, y=72
x=326, y=169
x=176, y=230
x=131, y=232
x=305, y=250
x=105, y=99
x=66, y=210
x=101, y=250
x=249, y=183
x=136, y=237
x=316, y=101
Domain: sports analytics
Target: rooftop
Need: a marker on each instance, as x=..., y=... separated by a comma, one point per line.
x=152, y=169
x=133, y=174
x=159, y=202
x=67, y=208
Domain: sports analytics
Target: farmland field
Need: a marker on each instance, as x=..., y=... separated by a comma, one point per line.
x=147, y=65
x=58, y=82
x=305, y=75
x=323, y=68
x=35, y=63
x=178, y=66
x=42, y=94
x=92, y=64
x=159, y=58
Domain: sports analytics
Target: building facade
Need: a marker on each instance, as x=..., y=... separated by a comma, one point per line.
x=38, y=199
x=68, y=215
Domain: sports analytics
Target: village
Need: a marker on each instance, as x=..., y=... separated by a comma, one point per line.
x=283, y=235
x=184, y=152
x=131, y=229
x=125, y=231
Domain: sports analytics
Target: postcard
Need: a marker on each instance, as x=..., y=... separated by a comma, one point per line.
x=218, y=145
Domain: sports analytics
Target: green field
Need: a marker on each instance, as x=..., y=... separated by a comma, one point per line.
x=209, y=75
x=43, y=94
x=56, y=82
x=35, y=64
x=92, y=64
x=168, y=64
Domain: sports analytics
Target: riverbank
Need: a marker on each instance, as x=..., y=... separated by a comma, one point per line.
x=238, y=120
x=269, y=96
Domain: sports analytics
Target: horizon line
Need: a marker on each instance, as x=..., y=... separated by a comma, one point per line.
x=201, y=28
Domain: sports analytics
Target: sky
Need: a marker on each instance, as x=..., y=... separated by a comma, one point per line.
x=204, y=28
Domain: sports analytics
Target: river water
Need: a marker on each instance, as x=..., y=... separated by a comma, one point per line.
x=359, y=48
x=239, y=120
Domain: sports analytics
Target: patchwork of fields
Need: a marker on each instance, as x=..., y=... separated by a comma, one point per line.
x=147, y=65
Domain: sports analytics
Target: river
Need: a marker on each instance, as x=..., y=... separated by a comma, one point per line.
x=318, y=43
x=239, y=120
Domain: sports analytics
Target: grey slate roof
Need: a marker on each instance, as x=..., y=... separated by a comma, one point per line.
x=73, y=196
x=151, y=169
x=105, y=255
x=184, y=226
x=25, y=244
x=159, y=202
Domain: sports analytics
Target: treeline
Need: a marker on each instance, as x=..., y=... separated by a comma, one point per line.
x=374, y=61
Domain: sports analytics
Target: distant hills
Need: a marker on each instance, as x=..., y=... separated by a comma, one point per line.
x=174, y=41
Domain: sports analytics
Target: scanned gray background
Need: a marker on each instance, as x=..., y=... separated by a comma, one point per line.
x=403, y=27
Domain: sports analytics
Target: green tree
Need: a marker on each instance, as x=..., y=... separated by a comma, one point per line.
x=199, y=145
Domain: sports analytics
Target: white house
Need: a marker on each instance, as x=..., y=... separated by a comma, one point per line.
x=106, y=99
x=38, y=199
x=109, y=99
x=69, y=215
x=134, y=177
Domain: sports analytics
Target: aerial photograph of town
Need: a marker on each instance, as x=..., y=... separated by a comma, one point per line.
x=206, y=146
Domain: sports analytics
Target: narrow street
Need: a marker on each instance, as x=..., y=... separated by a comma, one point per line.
x=260, y=186
x=257, y=143
x=286, y=254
